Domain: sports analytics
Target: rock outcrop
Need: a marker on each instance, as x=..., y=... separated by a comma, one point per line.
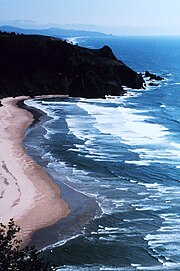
x=35, y=65
x=152, y=76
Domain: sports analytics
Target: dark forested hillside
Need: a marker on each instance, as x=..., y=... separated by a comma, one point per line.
x=36, y=65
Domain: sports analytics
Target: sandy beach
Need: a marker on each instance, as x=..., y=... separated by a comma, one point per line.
x=27, y=193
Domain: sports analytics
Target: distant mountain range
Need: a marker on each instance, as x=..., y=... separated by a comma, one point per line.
x=55, y=32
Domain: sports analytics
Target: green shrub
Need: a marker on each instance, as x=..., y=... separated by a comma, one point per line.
x=12, y=258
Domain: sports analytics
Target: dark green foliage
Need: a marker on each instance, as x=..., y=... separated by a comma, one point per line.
x=12, y=258
x=35, y=65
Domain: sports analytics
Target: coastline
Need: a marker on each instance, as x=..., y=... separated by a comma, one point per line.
x=27, y=193
x=83, y=207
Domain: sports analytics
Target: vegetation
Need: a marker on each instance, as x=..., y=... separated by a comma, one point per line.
x=38, y=65
x=12, y=258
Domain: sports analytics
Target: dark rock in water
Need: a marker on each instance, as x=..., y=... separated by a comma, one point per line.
x=0, y=104
x=35, y=65
x=151, y=84
x=153, y=76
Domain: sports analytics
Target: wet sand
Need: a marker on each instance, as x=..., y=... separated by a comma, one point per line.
x=27, y=193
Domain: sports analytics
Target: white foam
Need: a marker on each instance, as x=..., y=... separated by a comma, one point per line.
x=109, y=238
x=60, y=243
x=114, y=269
x=74, y=40
x=134, y=128
x=171, y=265
x=131, y=126
x=148, y=208
x=168, y=154
x=150, y=268
x=168, y=216
x=135, y=264
x=111, y=229
x=176, y=145
x=169, y=229
x=155, y=240
x=149, y=185
x=132, y=181
x=138, y=163
x=47, y=155
x=138, y=219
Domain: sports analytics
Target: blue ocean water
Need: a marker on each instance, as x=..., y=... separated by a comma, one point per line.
x=124, y=154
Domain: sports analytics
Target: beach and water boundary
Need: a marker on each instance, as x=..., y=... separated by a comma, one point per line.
x=28, y=195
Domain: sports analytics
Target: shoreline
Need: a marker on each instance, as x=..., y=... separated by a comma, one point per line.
x=27, y=193
x=83, y=208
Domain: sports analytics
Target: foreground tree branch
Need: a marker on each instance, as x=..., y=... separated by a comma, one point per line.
x=12, y=258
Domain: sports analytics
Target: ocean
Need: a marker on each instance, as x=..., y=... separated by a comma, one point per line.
x=117, y=161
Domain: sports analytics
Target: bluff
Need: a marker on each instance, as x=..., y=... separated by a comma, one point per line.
x=35, y=65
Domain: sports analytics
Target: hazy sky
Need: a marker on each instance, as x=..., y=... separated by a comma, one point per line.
x=117, y=16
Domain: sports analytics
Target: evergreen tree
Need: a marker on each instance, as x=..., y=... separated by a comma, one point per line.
x=12, y=258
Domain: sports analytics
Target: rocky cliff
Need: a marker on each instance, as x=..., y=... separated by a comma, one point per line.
x=35, y=65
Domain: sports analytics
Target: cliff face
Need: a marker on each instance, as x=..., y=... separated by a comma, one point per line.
x=36, y=65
